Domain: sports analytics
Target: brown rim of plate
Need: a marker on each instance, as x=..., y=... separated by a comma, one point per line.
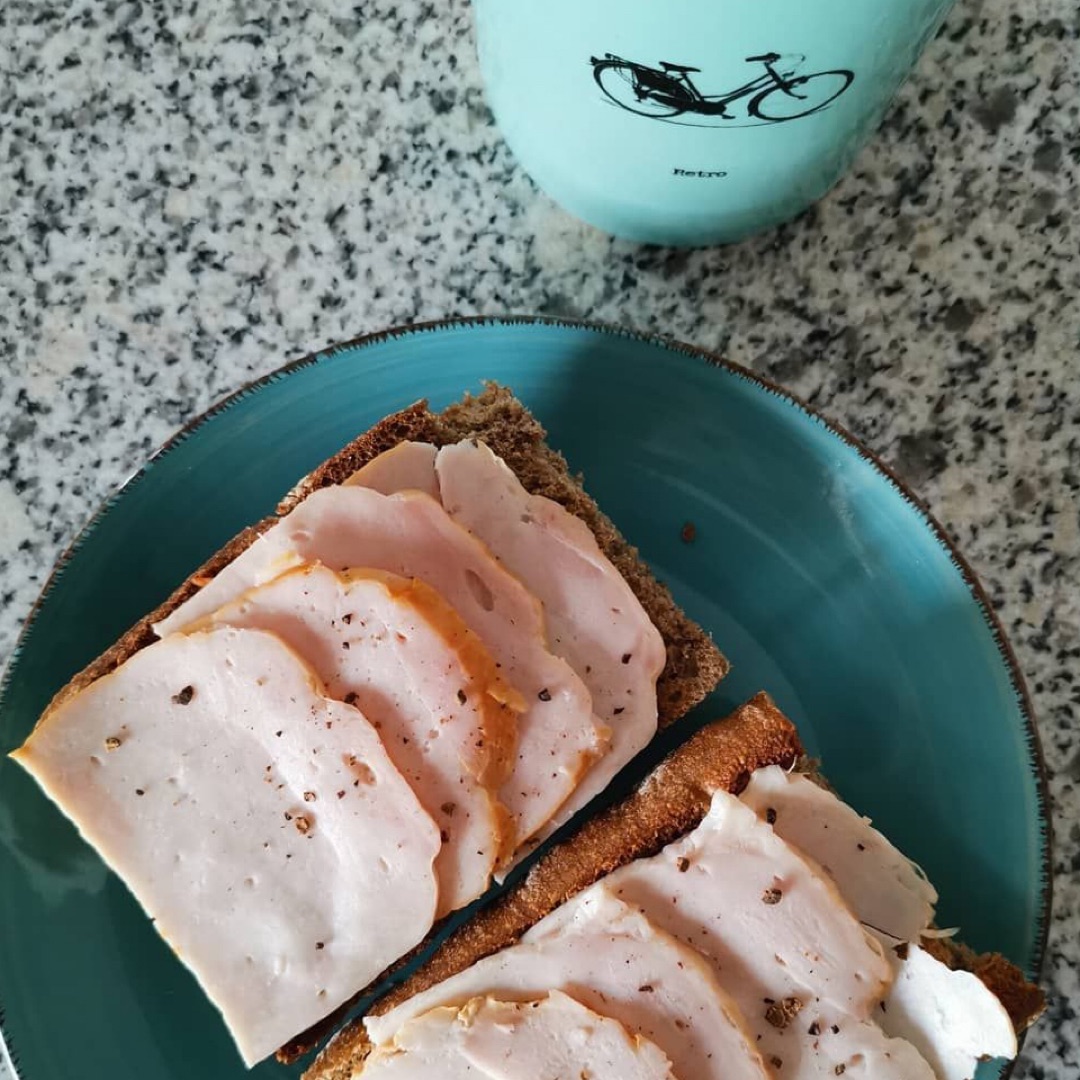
x=975, y=588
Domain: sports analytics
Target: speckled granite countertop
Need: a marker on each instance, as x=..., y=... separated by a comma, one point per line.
x=187, y=200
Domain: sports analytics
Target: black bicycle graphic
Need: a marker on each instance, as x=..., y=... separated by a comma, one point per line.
x=668, y=91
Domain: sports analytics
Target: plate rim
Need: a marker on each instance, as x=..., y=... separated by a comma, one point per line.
x=925, y=514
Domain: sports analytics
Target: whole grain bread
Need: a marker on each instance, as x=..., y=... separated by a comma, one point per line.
x=694, y=664
x=670, y=802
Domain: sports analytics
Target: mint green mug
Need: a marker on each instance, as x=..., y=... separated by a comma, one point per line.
x=694, y=122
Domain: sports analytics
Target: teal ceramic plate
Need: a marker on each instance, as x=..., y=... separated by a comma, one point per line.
x=819, y=575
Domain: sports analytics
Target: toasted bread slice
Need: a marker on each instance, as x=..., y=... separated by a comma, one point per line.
x=671, y=801
x=694, y=665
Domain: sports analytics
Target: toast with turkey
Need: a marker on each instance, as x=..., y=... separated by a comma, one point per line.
x=878, y=971
x=444, y=593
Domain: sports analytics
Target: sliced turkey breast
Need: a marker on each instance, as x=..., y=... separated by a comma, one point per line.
x=410, y=534
x=213, y=775
x=613, y=960
x=394, y=648
x=594, y=620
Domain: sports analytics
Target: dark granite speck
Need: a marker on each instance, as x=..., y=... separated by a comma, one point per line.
x=193, y=194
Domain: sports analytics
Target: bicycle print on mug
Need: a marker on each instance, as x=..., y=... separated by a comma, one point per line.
x=669, y=93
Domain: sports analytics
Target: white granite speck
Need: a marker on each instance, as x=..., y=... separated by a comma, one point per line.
x=191, y=197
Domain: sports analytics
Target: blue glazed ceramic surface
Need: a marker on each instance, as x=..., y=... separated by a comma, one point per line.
x=819, y=577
